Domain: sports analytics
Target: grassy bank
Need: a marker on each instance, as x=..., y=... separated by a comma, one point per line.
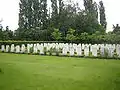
x=32, y=72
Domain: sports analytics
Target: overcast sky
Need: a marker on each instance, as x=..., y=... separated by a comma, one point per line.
x=9, y=12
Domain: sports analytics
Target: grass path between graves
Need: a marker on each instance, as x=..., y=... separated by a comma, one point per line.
x=34, y=72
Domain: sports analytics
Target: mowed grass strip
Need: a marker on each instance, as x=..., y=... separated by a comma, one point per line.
x=34, y=72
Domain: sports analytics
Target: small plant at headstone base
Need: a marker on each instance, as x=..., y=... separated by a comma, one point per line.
x=60, y=51
x=90, y=54
x=8, y=50
x=31, y=50
x=57, y=52
x=2, y=51
x=50, y=52
x=75, y=53
x=98, y=53
x=106, y=53
x=83, y=53
x=45, y=51
x=115, y=55
x=102, y=56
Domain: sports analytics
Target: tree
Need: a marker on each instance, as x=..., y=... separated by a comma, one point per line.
x=102, y=15
x=35, y=20
x=61, y=6
x=1, y=28
x=70, y=35
x=56, y=35
x=32, y=18
x=116, y=29
x=91, y=8
x=23, y=14
x=44, y=15
x=83, y=37
x=67, y=17
x=90, y=22
x=7, y=34
x=29, y=14
x=54, y=14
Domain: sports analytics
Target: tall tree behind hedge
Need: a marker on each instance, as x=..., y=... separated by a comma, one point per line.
x=22, y=17
x=29, y=14
x=91, y=9
x=91, y=15
x=33, y=13
x=44, y=15
x=35, y=10
x=54, y=15
x=102, y=15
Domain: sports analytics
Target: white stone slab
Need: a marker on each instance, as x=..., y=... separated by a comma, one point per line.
x=17, y=49
x=7, y=48
x=12, y=49
x=79, y=50
x=29, y=47
x=35, y=49
x=94, y=50
x=3, y=48
x=71, y=51
x=86, y=50
x=23, y=48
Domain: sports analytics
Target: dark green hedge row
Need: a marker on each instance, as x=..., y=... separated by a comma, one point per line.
x=27, y=42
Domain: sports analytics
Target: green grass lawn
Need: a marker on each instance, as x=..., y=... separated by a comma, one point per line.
x=30, y=72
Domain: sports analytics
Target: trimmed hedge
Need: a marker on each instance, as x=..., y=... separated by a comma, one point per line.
x=27, y=42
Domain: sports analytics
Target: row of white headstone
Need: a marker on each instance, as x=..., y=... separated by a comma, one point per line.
x=70, y=49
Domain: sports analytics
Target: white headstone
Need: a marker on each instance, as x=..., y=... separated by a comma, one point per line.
x=64, y=51
x=79, y=50
x=118, y=50
x=12, y=48
x=29, y=47
x=48, y=47
x=35, y=49
x=102, y=50
x=111, y=50
x=71, y=51
x=94, y=50
x=86, y=50
x=75, y=47
x=41, y=49
x=7, y=48
x=17, y=49
x=83, y=46
x=45, y=44
x=23, y=48
x=3, y=48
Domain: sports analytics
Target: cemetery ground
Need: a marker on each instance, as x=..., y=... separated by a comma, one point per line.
x=35, y=72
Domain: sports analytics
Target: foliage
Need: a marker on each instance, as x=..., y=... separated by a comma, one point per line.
x=91, y=9
x=70, y=35
x=37, y=23
x=56, y=35
x=102, y=15
x=6, y=34
x=96, y=37
x=116, y=29
x=36, y=20
x=83, y=37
